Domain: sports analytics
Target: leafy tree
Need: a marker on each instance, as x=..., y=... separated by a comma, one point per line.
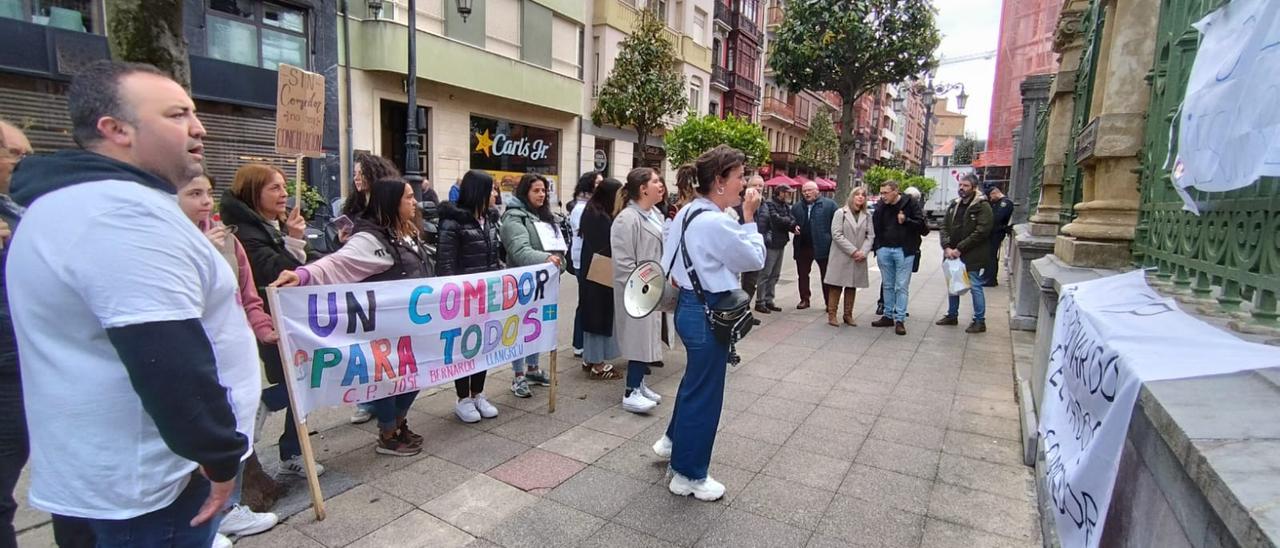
x=645, y=85
x=965, y=150
x=852, y=48
x=893, y=163
x=924, y=184
x=820, y=149
x=149, y=31
x=700, y=134
x=877, y=175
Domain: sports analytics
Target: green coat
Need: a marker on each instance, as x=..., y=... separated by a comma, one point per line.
x=520, y=238
x=970, y=234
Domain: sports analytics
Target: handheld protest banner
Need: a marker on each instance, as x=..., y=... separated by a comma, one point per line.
x=551, y=394
x=299, y=422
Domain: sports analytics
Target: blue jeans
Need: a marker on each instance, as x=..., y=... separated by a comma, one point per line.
x=976, y=281
x=166, y=527
x=895, y=276
x=701, y=396
x=530, y=361
x=635, y=373
x=391, y=409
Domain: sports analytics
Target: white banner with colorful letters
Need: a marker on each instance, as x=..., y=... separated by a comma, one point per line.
x=1110, y=336
x=353, y=343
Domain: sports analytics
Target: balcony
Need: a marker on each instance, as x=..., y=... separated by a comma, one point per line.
x=802, y=121
x=724, y=15
x=744, y=85
x=778, y=109
x=746, y=26
x=47, y=51
x=718, y=80
x=773, y=18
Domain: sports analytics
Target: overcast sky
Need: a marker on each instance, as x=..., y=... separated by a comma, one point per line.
x=970, y=26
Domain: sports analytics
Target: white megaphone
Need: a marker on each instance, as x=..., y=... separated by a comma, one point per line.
x=647, y=290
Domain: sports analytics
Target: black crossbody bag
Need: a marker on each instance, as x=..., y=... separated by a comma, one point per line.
x=731, y=317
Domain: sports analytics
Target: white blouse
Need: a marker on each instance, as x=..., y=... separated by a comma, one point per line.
x=719, y=247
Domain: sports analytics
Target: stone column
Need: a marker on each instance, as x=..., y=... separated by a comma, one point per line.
x=1035, y=93
x=1068, y=42
x=1101, y=235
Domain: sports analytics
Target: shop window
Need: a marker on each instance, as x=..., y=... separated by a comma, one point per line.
x=76, y=15
x=254, y=33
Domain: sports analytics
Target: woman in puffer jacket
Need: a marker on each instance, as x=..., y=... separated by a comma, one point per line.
x=469, y=244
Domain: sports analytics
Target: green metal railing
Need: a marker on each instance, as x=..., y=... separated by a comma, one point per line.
x=1231, y=252
x=1037, y=168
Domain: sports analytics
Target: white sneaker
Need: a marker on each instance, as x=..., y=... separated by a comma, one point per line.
x=637, y=403
x=486, y=409
x=577, y=352
x=662, y=447
x=704, y=489
x=466, y=410
x=294, y=467
x=361, y=415
x=649, y=393
x=221, y=541
x=242, y=522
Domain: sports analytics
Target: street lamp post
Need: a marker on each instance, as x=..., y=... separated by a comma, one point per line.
x=929, y=91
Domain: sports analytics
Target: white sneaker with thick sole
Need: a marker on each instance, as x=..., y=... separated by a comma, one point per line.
x=361, y=415
x=221, y=541
x=705, y=489
x=577, y=352
x=486, y=409
x=294, y=467
x=242, y=522
x=649, y=393
x=662, y=447
x=637, y=403
x=466, y=410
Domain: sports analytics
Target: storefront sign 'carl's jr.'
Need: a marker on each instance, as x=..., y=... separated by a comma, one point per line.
x=299, y=112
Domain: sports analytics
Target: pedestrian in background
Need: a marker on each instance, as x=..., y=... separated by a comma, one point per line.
x=898, y=224
x=851, y=236
x=636, y=237
x=599, y=344
x=813, y=214
x=776, y=226
x=470, y=244
x=368, y=168
x=1002, y=215
x=525, y=246
x=581, y=194
x=750, y=280
x=966, y=235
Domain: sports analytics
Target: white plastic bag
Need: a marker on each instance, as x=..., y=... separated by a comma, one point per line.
x=957, y=277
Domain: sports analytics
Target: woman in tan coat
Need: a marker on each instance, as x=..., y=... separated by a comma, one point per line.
x=851, y=238
x=636, y=237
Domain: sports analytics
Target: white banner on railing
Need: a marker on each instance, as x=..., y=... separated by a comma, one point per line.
x=355, y=343
x=1110, y=336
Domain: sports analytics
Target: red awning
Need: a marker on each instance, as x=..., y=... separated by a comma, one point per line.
x=782, y=180
x=825, y=184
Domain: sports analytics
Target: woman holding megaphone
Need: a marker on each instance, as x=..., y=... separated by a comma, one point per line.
x=636, y=237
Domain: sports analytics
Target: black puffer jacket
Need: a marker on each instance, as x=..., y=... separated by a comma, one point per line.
x=263, y=243
x=466, y=247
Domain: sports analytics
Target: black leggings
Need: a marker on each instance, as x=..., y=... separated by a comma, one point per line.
x=467, y=386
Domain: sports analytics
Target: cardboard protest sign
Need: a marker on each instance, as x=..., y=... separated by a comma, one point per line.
x=299, y=112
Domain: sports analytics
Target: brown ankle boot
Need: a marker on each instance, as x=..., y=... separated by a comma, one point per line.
x=849, y=296
x=833, y=300
x=260, y=491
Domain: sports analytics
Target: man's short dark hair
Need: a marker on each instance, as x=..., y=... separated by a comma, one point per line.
x=95, y=92
x=972, y=178
x=890, y=184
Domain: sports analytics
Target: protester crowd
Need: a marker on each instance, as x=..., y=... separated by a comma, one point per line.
x=138, y=314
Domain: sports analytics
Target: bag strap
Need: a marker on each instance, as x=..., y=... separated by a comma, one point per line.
x=688, y=262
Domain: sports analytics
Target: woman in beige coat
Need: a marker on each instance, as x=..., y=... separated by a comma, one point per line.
x=851, y=238
x=636, y=236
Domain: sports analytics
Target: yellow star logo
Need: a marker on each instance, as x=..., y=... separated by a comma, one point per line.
x=484, y=143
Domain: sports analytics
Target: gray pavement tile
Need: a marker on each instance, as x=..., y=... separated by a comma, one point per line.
x=977, y=390
x=578, y=410
x=869, y=404
x=885, y=361
x=784, y=355
x=1016, y=481
x=842, y=444
x=811, y=469
x=813, y=379
x=439, y=404
x=635, y=459
x=598, y=491
x=908, y=433
x=840, y=419
x=863, y=523
x=977, y=446
x=998, y=380
x=505, y=414
x=991, y=513
x=767, y=368
x=913, y=390
x=544, y=523
x=738, y=529
x=738, y=400
x=340, y=440
x=280, y=535
x=907, y=493
x=733, y=478
x=799, y=392
x=416, y=529
x=930, y=414
x=364, y=465
x=738, y=380
x=990, y=408
x=42, y=536
x=532, y=429
x=582, y=444
x=479, y=505
x=895, y=457
x=423, y=480
x=988, y=426
x=481, y=543
x=350, y=516
x=613, y=535
x=742, y=452
x=679, y=520
x=620, y=423
x=859, y=374
x=786, y=501
x=480, y=453
x=941, y=534
x=760, y=428
x=783, y=409
x=867, y=387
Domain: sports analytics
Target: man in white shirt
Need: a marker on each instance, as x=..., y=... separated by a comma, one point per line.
x=139, y=367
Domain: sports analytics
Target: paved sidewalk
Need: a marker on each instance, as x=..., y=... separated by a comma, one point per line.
x=848, y=436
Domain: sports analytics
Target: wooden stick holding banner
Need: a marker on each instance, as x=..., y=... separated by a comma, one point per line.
x=551, y=394
x=299, y=421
